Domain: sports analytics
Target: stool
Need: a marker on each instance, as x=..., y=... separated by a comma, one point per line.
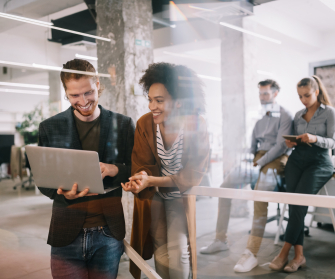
x=323, y=191
x=331, y=215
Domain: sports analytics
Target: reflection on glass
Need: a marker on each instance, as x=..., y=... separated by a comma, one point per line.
x=170, y=155
x=270, y=155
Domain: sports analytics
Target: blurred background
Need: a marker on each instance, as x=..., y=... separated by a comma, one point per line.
x=231, y=45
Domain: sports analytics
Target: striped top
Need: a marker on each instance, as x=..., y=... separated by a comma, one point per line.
x=170, y=159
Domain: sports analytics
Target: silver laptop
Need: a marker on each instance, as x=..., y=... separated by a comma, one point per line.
x=57, y=167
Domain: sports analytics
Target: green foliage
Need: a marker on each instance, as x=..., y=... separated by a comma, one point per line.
x=28, y=128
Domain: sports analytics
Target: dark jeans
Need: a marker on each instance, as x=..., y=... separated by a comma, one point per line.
x=93, y=254
x=307, y=170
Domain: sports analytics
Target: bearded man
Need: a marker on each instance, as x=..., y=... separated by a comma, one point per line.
x=87, y=230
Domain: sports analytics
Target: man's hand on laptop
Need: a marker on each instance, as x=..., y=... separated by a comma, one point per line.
x=73, y=194
x=108, y=170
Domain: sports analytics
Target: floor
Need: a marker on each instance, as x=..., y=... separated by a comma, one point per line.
x=24, y=254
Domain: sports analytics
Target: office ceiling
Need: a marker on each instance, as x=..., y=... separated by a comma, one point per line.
x=32, y=9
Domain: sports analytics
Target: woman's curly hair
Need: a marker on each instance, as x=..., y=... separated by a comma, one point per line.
x=182, y=83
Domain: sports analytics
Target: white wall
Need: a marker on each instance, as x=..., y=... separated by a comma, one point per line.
x=288, y=62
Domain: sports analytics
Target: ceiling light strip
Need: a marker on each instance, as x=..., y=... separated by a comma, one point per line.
x=18, y=91
x=250, y=33
x=56, y=28
x=163, y=22
x=25, y=85
x=26, y=19
x=209, y=77
x=52, y=68
x=86, y=57
x=79, y=33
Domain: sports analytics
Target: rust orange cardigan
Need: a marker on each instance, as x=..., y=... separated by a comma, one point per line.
x=145, y=157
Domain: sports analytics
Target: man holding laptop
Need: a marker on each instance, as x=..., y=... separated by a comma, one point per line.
x=87, y=230
x=269, y=148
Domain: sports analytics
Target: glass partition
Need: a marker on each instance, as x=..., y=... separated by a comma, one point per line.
x=225, y=151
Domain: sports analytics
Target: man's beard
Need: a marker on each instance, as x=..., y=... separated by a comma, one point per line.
x=87, y=113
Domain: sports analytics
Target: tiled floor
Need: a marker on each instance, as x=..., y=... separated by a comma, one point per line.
x=24, y=254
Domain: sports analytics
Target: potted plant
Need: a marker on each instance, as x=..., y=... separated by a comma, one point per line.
x=28, y=128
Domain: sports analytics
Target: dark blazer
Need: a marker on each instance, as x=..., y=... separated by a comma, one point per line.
x=115, y=147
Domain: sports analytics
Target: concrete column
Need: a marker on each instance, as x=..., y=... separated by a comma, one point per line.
x=233, y=93
x=55, y=103
x=128, y=23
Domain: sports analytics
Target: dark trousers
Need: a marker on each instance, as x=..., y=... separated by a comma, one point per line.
x=307, y=170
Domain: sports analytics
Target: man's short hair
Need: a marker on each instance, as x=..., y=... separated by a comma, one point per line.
x=78, y=65
x=273, y=84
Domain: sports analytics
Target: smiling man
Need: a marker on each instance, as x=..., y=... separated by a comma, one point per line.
x=87, y=230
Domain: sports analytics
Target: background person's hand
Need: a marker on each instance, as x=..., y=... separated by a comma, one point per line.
x=108, y=170
x=307, y=138
x=290, y=144
x=73, y=194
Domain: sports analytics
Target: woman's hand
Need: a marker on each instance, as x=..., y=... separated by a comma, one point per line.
x=137, y=183
x=290, y=144
x=130, y=186
x=307, y=138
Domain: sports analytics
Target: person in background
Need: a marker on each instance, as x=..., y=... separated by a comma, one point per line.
x=270, y=153
x=170, y=155
x=87, y=230
x=309, y=166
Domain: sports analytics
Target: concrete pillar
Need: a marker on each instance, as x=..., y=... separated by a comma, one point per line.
x=233, y=93
x=55, y=103
x=128, y=23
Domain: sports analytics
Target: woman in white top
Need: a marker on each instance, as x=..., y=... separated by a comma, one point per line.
x=170, y=155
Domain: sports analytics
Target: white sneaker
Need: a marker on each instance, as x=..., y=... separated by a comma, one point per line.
x=216, y=246
x=247, y=262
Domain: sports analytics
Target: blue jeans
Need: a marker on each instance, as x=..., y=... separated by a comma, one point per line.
x=93, y=254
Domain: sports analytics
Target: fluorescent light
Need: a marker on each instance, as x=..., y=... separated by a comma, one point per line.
x=86, y=57
x=53, y=27
x=52, y=68
x=25, y=19
x=46, y=67
x=163, y=22
x=15, y=64
x=264, y=73
x=199, y=8
x=250, y=33
x=25, y=85
x=209, y=77
x=19, y=91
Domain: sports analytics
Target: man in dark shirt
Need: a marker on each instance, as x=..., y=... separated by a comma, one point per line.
x=87, y=230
